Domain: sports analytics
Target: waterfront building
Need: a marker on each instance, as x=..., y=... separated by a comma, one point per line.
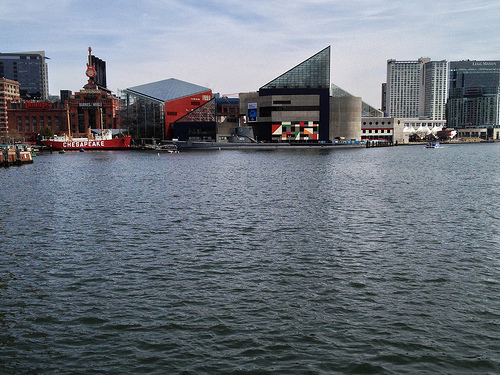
x=30, y=70
x=28, y=117
x=416, y=89
x=92, y=108
x=151, y=108
x=384, y=129
x=434, y=90
x=296, y=106
x=9, y=92
x=474, y=98
x=215, y=121
x=399, y=129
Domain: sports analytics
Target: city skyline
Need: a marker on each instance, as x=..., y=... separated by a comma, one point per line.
x=239, y=46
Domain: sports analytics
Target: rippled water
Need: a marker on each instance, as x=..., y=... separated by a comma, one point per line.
x=367, y=261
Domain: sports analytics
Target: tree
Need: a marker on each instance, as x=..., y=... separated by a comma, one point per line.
x=47, y=132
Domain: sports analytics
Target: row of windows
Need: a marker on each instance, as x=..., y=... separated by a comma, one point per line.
x=267, y=111
x=34, y=124
x=376, y=123
x=382, y=131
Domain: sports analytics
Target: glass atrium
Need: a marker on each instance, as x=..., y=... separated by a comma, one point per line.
x=312, y=73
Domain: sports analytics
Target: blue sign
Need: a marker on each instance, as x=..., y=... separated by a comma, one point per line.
x=252, y=112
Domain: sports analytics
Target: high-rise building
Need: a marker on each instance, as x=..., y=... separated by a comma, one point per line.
x=434, y=90
x=474, y=98
x=416, y=89
x=100, y=68
x=30, y=70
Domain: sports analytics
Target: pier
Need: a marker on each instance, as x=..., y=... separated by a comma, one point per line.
x=14, y=155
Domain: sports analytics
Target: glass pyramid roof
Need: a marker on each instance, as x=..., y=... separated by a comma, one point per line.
x=312, y=73
x=167, y=90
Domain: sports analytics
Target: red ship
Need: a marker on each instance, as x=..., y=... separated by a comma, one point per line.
x=105, y=141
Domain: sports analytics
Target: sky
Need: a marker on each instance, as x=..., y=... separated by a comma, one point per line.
x=233, y=46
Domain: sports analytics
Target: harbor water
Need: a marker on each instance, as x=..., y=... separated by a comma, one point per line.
x=330, y=261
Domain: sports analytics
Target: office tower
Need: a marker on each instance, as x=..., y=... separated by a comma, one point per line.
x=474, y=98
x=416, y=89
x=100, y=67
x=30, y=70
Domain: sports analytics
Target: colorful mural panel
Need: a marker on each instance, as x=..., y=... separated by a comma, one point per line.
x=295, y=131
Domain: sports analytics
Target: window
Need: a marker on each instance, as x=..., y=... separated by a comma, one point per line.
x=27, y=124
x=20, y=124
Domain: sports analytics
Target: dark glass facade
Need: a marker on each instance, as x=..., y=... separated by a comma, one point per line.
x=474, y=94
x=30, y=70
x=100, y=67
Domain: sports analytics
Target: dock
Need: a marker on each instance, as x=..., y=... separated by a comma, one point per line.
x=14, y=156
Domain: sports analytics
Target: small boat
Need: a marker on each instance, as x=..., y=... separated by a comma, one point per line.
x=432, y=145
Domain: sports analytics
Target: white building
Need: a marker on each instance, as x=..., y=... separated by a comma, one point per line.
x=416, y=89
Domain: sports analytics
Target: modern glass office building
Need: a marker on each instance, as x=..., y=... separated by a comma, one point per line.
x=474, y=95
x=30, y=70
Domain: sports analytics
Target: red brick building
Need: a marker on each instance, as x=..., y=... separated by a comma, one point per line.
x=92, y=107
x=27, y=118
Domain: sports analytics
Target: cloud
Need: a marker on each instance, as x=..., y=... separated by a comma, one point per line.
x=239, y=45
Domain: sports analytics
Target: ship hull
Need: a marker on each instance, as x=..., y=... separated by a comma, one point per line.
x=90, y=144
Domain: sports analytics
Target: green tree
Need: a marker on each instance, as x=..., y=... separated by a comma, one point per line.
x=47, y=132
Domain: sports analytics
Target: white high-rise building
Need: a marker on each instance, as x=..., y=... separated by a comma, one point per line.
x=434, y=90
x=416, y=89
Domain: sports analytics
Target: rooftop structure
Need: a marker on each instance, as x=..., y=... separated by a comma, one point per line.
x=366, y=109
x=167, y=90
x=312, y=73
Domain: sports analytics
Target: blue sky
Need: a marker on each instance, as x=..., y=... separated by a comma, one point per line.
x=237, y=46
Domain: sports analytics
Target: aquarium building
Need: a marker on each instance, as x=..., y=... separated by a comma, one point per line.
x=153, y=107
x=297, y=107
